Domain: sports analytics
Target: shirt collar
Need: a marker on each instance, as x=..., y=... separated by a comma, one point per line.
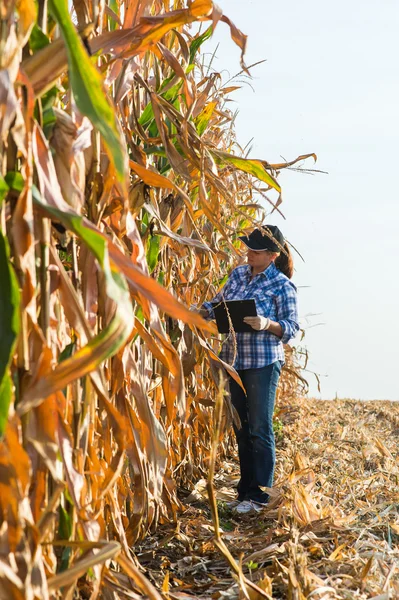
x=268, y=273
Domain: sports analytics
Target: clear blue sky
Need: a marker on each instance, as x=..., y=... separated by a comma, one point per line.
x=330, y=85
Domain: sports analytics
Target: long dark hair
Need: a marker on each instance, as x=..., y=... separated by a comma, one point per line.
x=284, y=262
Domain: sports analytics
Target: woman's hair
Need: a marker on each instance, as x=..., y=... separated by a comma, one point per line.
x=284, y=262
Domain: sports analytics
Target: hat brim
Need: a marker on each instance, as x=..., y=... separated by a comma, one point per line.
x=251, y=244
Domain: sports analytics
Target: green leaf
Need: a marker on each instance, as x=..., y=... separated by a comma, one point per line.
x=9, y=327
x=164, y=167
x=64, y=524
x=147, y=116
x=201, y=122
x=140, y=315
x=67, y=352
x=65, y=560
x=222, y=281
x=15, y=181
x=156, y=150
x=252, y=166
x=37, y=39
x=44, y=112
x=64, y=533
x=4, y=188
x=88, y=89
x=144, y=223
x=152, y=252
x=112, y=24
x=49, y=98
x=153, y=129
x=195, y=44
x=49, y=120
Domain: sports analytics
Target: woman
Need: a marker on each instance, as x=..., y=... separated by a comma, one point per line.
x=259, y=355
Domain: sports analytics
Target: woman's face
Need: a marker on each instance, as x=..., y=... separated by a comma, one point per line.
x=260, y=260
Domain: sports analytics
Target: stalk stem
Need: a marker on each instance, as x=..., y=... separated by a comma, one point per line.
x=44, y=277
x=42, y=16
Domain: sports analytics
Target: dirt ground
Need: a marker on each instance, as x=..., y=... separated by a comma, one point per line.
x=330, y=531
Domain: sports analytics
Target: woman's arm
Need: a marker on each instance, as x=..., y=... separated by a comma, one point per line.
x=287, y=312
x=275, y=328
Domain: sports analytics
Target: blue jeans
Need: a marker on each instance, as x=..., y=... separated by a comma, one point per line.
x=256, y=444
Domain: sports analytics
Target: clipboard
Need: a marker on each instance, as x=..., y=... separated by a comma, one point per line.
x=238, y=309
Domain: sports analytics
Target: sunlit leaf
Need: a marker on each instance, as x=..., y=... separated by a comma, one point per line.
x=198, y=41
x=152, y=252
x=290, y=163
x=204, y=117
x=252, y=166
x=27, y=10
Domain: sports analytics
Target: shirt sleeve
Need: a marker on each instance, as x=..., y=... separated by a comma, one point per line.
x=287, y=311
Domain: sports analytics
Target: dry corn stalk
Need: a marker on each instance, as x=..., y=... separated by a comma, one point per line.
x=122, y=189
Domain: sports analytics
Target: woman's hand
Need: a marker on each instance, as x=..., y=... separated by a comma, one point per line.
x=258, y=323
x=263, y=323
x=203, y=312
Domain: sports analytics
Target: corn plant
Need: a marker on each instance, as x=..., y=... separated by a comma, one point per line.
x=122, y=190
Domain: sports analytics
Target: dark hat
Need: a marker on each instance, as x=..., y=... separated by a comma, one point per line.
x=260, y=239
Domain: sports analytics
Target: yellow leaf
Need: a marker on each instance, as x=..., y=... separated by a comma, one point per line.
x=337, y=552
x=27, y=12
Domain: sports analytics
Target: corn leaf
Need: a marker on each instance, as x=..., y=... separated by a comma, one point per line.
x=4, y=188
x=197, y=42
x=119, y=409
x=252, y=166
x=204, y=117
x=9, y=327
x=88, y=89
x=152, y=252
x=38, y=39
x=110, y=339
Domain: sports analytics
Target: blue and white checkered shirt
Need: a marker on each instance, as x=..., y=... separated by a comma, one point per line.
x=276, y=297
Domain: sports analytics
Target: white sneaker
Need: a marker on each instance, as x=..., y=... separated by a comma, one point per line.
x=244, y=507
x=233, y=503
x=248, y=506
x=258, y=506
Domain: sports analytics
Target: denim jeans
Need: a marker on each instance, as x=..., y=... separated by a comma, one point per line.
x=256, y=444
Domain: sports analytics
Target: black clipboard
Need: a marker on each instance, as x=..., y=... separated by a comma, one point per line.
x=238, y=309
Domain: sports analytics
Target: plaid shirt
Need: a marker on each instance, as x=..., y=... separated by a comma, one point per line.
x=275, y=296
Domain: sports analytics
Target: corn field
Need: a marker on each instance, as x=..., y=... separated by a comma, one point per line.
x=123, y=191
